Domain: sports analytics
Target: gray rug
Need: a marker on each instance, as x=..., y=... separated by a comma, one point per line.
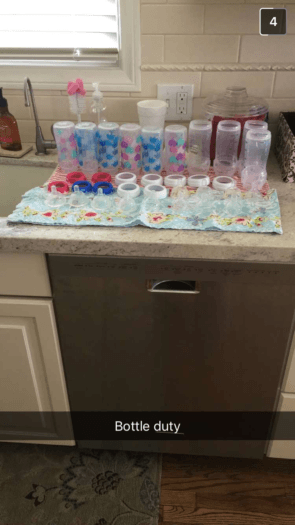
x=53, y=485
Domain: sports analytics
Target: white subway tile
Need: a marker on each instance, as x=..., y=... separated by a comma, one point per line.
x=257, y=83
x=152, y=49
x=172, y=19
x=238, y=19
x=150, y=79
x=153, y=1
x=198, y=111
x=205, y=1
x=273, y=49
x=123, y=110
x=201, y=48
x=290, y=18
x=277, y=105
x=27, y=130
x=53, y=108
x=16, y=106
x=284, y=84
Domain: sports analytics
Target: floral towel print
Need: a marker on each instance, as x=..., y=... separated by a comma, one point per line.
x=267, y=219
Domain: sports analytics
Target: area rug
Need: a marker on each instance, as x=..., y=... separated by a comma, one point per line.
x=53, y=485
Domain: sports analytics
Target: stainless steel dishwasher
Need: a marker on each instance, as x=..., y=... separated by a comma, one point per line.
x=173, y=336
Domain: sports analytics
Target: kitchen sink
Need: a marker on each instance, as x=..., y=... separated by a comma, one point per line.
x=15, y=181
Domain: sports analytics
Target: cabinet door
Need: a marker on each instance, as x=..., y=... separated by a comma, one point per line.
x=32, y=386
x=283, y=448
x=289, y=378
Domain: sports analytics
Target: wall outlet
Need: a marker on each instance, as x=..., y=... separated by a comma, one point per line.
x=181, y=103
x=179, y=98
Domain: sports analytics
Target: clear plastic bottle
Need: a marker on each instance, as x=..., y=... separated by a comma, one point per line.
x=254, y=125
x=257, y=146
x=200, y=132
x=175, y=148
x=131, y=141
x=227, y=141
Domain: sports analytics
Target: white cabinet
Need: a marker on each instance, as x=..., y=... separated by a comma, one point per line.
x=289, y=379
x=24, y=274
x=31, y=374
x=279, y=448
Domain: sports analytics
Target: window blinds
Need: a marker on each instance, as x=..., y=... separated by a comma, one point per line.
x=60, y=29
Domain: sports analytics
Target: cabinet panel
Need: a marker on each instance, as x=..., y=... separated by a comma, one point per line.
x=24, y=274
x=31, y=373
x=284, y=449
x=289, y=379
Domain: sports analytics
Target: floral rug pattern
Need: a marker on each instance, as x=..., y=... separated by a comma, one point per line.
x=267, y=219
x=52, y=485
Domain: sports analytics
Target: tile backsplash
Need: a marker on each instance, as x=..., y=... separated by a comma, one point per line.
x=205, y=42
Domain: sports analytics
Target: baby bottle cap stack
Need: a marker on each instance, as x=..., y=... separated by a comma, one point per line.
x=86, y=125
x=108, y=126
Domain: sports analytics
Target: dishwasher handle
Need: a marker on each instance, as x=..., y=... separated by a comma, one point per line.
x=171, y=286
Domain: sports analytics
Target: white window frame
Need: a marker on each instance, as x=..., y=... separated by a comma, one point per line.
x=125, y=76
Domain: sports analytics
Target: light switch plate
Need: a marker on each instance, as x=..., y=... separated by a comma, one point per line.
x=179, y=98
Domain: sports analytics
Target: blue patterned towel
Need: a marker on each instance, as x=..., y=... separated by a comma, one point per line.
x=266, y=219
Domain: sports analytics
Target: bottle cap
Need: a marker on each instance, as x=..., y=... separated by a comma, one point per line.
x=3, y=101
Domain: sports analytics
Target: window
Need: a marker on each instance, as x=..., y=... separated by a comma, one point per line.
x=99, y=41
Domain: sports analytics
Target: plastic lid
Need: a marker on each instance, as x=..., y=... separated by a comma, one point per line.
x=128, y=188
x=3, y=101
x=259, y=136
x=151, y=178
x=223, y=183
x=200, y=125
x=196, y=181
x=229, y=125
x=235, y=102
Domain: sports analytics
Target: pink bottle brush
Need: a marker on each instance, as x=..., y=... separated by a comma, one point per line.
x=77, y=94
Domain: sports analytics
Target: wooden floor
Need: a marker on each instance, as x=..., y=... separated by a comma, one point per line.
x=222, y=491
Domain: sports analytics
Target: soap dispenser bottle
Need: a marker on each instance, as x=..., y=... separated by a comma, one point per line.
x=9, y=134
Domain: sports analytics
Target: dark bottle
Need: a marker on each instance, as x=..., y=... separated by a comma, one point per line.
x=9, y=134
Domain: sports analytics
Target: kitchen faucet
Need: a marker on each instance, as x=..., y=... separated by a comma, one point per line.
x=41, y=144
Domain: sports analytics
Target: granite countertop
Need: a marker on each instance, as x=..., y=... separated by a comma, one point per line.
x=31, y=159
x=145, y=242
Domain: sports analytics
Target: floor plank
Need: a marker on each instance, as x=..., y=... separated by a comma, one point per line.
x=227, y=491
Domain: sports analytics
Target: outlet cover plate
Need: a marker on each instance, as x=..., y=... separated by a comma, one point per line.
x=170, y=93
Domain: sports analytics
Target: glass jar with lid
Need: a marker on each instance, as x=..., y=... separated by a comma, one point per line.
x=233, y=104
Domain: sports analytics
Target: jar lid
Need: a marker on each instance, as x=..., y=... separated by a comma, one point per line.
x=234, y=102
